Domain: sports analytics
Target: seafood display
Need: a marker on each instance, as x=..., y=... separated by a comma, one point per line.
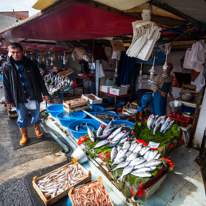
x=160, y=123
x=92, y=194
x=106, y=116
x=76, y=101
x=139, y=161
x=59, y=181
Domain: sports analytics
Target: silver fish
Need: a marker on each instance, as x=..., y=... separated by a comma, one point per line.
x=137, y=161
x=91, y=134
x=152, y=155
x=126, y=145
x=124, y=139
x=119, y=148
x=99, y=131
x=128, y=153
x=157, y=157
x=144, y=150
x=132, y=156
x=169, y=126
x=157, y=127
x=115, y=133
x=146, y=169
x=101, y=143
x=146, y=155
x=140, y=166
x=107, y=127
x=151, y=123
x=118, y=161
x=138, y=148
x=121, y=165
x=163, y=120
x=158, y=120
x=141, y=174
x=121, y=153
x=155, y=119
x=113, y=153
x=133, y=146
x=149, y=119
x=164, y=126
x=127, y=170
x=153, y=163
x=120, y=135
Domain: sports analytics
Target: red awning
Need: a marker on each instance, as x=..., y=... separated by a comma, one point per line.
x=71, y=21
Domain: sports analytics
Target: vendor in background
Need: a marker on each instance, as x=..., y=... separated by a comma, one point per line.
x=161, y=87
x=197, y=77
x=143, y=97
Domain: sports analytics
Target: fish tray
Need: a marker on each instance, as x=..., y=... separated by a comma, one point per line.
x=97, y=100
x=71, y=190
x=76, y=107
x=48, y=200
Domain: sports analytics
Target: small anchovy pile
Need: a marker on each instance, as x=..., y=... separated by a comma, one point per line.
x=59, y=181
x=135, y=159
x=106, y=116
x=92, y=194
x=159, y=123
x=109, y=136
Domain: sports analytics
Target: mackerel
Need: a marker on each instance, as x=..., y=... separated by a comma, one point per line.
x=115, y=133
x=101, y=144
x=107, y=127
x=91, y=134
x=120, y=135
x=99, y=131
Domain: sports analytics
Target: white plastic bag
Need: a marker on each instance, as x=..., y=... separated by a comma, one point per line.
x=187, y=63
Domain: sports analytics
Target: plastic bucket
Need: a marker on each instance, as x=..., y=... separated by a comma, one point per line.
x=66, y=118
x=94, y=108
x=113, y=113
x=91, y=123
x=55, y=109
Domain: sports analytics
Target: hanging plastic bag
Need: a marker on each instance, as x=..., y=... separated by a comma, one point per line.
x=187, y=63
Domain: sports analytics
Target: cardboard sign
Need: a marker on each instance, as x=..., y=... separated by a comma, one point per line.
x=117, y=45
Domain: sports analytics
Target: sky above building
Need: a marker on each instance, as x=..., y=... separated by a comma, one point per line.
x=18, y=5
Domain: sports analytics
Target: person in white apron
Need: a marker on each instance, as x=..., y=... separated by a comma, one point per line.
x=23, y=88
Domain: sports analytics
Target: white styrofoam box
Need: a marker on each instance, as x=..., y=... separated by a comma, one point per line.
x=118, y=91
x=126, y=85
x=96, y=101
x=105, y=88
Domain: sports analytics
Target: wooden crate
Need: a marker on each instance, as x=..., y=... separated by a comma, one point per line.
x=48, y=200
x=71, y=190
x=76, y=107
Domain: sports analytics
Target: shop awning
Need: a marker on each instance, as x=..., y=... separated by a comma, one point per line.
x=71, y=21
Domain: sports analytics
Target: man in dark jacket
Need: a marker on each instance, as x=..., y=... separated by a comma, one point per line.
x=23, y=89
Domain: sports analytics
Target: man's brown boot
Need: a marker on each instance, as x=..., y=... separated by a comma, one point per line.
x=140, y=115
x=37, y=131
x=24, y=138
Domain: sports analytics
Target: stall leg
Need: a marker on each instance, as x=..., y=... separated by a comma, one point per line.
x=115, y=102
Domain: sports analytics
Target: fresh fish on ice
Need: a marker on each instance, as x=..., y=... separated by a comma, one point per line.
x=91, y=134
x=153, y=163
x=127, y=170
x=138, y=148
x=144, y=150
x=121, y=165
x=141, y=174
x=101, y=143
x=157, y=127
x=118, y=161
x=113, y=153
x=137, y=161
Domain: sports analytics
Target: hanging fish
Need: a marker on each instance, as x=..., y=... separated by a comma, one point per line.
x=91, y=134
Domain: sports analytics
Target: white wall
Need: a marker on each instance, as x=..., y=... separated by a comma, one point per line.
x=201, y=124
